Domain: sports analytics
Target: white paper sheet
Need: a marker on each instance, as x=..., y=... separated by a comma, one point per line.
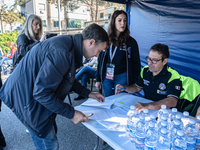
x=94, y=103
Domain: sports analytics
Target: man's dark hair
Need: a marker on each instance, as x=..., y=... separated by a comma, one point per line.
x=161, y=49
x=95, y=32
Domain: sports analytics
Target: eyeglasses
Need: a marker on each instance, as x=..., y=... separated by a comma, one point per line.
x=154, y=61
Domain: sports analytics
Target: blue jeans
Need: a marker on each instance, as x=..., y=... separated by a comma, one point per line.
x=109, y=85
x=86, y=72
x=9, y=61
x=50, y=142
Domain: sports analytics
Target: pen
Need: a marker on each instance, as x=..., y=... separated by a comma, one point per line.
x=120, y=88
x=90, y=115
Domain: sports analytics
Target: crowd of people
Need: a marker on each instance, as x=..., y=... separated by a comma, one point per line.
x=37, y=87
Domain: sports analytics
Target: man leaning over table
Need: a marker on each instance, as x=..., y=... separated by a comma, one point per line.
x=36, y=89
x=159, y=82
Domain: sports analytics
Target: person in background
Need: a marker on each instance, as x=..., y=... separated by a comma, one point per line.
x=89, y=62
x=121, y=63
x=30, y=35
x=8, y=58
x=86, y=72
x=38, y=86
x=159, y=82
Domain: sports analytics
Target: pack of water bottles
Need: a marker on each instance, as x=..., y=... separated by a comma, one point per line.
x=165, y=131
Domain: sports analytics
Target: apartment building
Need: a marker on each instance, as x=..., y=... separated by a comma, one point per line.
x=49, y=15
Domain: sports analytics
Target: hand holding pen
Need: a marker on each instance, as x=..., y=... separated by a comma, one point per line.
x=119, y=88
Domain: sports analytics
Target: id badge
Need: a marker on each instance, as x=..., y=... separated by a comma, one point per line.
x=110, y=71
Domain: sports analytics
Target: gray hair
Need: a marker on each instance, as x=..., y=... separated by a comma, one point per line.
x=27, y=28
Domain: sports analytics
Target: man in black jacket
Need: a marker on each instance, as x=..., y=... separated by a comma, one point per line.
x=36, y=89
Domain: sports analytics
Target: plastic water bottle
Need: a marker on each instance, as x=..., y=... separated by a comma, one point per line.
x=191, y=134
x=178, y=117
x=185, y=119
x=179, y=142
x=160, y=112
x=140, y=133
x=172, y=117
x=152, y=119
x=134, y=120
x=163, y=118
x=163, y=125
x=129, y=116
x=146, y=114
x=151, y=137
x=198, y=134
x=163, y=140
x=174, y=130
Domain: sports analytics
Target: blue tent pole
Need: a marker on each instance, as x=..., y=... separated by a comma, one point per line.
x=127, y=9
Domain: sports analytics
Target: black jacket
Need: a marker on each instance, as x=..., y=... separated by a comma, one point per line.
x=23, y=46
x=36, y=89
x=133, y=63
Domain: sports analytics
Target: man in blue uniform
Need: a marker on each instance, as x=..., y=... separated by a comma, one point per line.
x=159, y=82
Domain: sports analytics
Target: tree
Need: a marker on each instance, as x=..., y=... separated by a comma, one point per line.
x=94, y=11
x=70, y=4
x=11, y=14
x=2, y=13
x=10, y=17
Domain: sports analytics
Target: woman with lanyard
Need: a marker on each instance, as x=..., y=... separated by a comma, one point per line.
x=121, y=63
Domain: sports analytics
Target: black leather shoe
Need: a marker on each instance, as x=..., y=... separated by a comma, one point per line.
x=79, y=98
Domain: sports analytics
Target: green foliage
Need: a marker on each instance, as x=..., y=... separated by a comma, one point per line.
x=5, y=39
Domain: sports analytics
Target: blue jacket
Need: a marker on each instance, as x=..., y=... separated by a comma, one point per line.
x=36, y=89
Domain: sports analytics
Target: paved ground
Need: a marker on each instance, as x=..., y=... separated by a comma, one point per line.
x=70, y=136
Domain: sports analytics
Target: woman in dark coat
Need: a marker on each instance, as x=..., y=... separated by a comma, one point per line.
x=30, y=35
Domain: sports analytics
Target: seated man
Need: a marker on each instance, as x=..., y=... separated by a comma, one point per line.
x=85, y=73
x=159, y=82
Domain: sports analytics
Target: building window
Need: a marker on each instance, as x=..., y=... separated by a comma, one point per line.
x=101, y=15
x=42, y=7
x=56, y=23
x=74, y=23
x=44, y=23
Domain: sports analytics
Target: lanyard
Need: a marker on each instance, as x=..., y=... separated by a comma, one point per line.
x=112, y=54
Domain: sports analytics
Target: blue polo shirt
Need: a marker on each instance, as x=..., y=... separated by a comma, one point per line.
x=166, y=83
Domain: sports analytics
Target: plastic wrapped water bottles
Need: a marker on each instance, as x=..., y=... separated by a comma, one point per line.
x=140, y=133
x=179, y=142
x=163, y=140
x=185, y=119
x=134, y=120
x=198, y=134
x=160, y=112
x=191, y=133
x=151, y=137
x=129, y=116
x=172, y=117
